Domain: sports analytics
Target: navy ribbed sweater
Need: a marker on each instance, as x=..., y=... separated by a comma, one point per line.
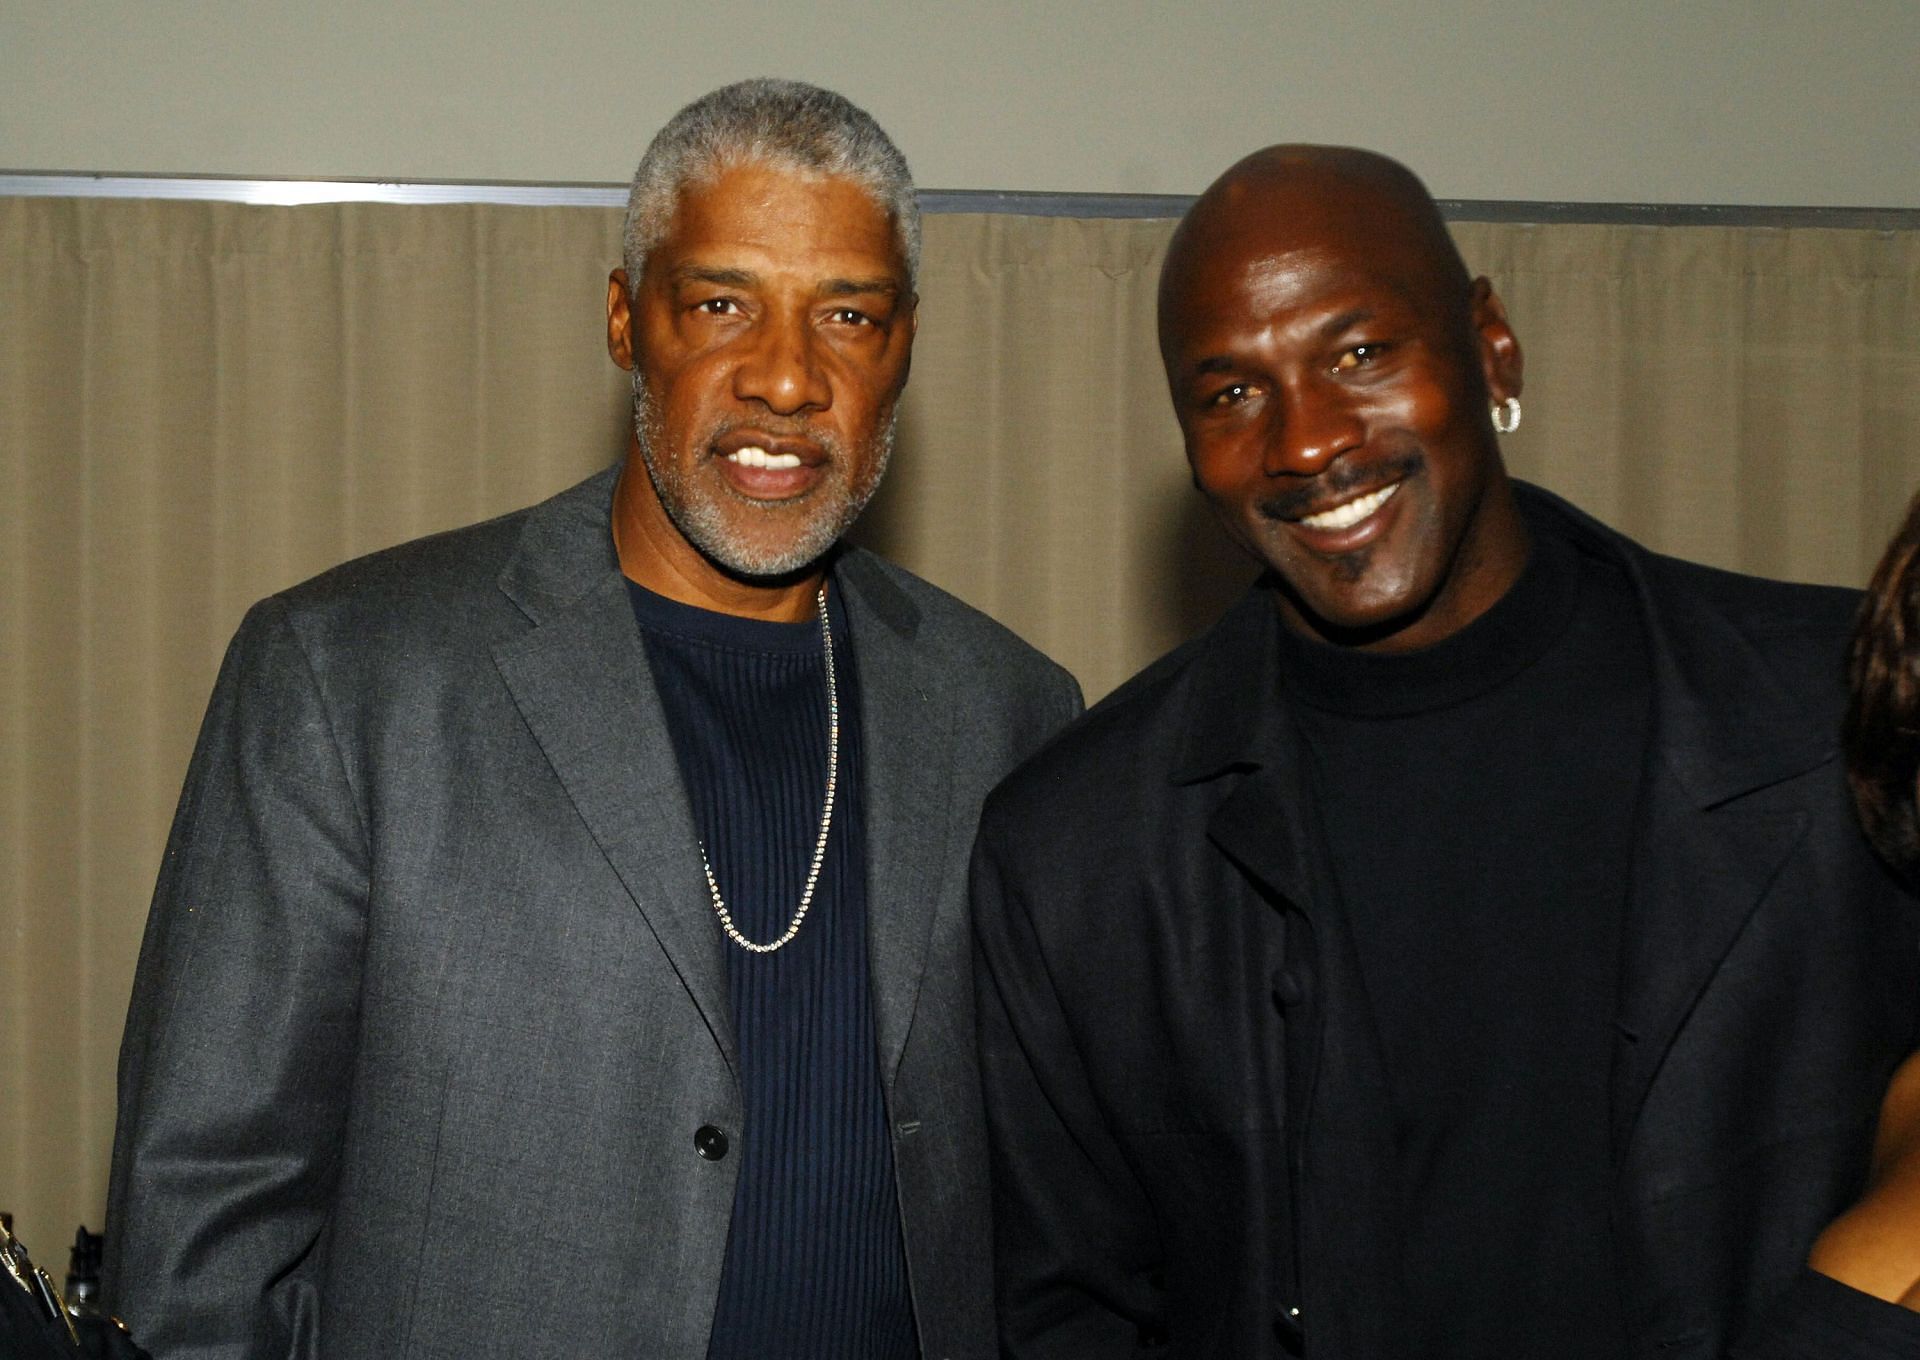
x=815, y=1265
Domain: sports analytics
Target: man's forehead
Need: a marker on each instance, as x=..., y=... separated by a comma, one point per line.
x=763, y=193
x=756, y=215
x=1273, y=279
x=1357, y=233
x=1261, y=250
x=1267, y=286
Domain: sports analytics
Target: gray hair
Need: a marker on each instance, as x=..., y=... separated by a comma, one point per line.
x=784, y=123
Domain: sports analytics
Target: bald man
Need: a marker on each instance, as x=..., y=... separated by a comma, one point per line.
x=1463, y=949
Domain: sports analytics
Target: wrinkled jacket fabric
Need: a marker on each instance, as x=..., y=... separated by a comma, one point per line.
x=1185, y=1099
x=432, y=1000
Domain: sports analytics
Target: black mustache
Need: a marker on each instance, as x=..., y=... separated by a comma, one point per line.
x=1335, y=485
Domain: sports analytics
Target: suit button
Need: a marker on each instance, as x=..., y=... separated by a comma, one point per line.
x=710, y=1142
x=1150, y=1336
x=1288, y=990
x=1287, y=1328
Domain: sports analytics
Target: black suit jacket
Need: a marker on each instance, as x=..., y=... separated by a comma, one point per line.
x=1183, y=1091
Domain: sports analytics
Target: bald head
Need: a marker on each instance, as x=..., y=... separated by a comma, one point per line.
x=1357, y=203
x=1331, y=366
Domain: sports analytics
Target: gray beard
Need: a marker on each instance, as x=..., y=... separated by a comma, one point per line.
x=829, y=512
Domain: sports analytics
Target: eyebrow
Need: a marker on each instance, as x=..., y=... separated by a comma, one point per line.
x=1345, y=321
x=1326, y=330
x=858, y=287
x=746, y=278
x=726, y=278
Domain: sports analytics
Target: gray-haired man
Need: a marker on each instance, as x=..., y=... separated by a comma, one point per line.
x=581, y=967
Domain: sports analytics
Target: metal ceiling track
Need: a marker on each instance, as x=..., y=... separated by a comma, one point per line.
x=297, y=192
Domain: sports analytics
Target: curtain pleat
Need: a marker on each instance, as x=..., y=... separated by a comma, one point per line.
x=201, y=403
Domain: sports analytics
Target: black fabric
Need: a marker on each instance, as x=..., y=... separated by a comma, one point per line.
x=1481, y=844
x=1181, y=1078
x=1819, y=1319
x=815, y=1263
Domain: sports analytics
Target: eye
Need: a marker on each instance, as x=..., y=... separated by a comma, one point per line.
x=717, y=306
x=1357, y=356
x=1231, y=395
x=849, y=316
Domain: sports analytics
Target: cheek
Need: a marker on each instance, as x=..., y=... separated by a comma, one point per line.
x=865, y=392
x=1429, y=407
x=692, y=390
x=1225, y=470
x=858, y=408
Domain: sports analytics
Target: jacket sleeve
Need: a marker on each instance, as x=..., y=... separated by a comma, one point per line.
x=236, y=1063
x=1822, y=1319
x=1075, y=1248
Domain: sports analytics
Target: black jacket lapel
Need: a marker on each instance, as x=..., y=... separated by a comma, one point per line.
x=1699, y=873
x=1236, y=732
x=1703, y=861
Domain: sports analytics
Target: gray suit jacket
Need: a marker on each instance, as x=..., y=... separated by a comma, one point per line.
x=432, y=998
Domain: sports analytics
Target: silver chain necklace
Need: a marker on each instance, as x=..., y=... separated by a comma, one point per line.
x=826, y=815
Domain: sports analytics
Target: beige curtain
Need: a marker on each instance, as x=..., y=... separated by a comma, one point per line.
x=201, y=403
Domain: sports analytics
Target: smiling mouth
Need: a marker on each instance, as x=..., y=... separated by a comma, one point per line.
x=1349, y=513
x=754, y=456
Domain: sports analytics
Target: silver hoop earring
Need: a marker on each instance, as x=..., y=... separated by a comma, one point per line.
x=1506, y=415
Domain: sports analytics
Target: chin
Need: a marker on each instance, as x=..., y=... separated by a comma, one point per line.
x=1360, y=619
x=772, y=556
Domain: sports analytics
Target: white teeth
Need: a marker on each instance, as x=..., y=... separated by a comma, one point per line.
x=1350, y=514
x=755, y=457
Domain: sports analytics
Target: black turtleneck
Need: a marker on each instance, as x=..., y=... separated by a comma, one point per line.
x=1478, y=800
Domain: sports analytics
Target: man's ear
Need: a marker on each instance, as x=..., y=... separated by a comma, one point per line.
x=1500, y=358
x=619, y=320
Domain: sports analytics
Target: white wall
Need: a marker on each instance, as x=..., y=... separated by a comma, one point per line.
x=1709, y=101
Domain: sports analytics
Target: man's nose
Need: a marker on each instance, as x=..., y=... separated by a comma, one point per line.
x=781, y=368
x=1311, y=430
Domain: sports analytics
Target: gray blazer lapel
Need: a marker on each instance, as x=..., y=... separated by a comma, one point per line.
x=907, y=738
x=581, y=680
